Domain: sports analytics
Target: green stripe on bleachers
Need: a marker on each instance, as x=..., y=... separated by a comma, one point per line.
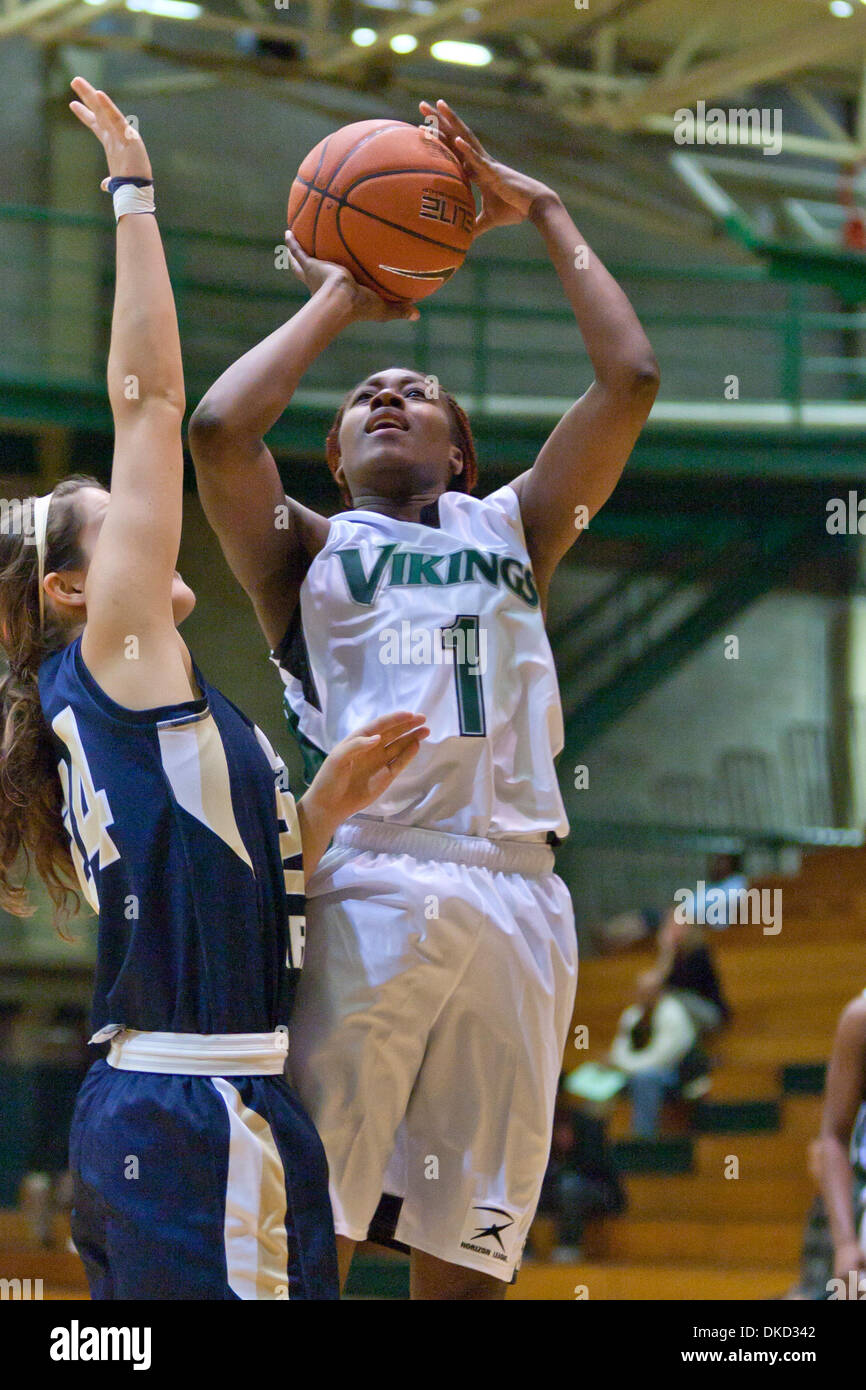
x=804, y=1079
x=737, y=1116
x=673, y=1155
x=378, y=1279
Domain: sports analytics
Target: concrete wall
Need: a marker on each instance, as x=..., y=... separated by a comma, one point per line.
x=724, y=743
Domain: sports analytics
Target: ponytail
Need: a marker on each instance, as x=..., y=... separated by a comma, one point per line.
x=32, y=834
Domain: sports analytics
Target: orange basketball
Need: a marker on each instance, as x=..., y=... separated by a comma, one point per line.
x=390, y=202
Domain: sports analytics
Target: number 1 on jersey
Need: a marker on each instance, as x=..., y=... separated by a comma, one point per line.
x=461, y=637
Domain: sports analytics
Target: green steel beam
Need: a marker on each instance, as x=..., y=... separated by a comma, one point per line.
x=582, y=613
x=503, y=443
x=781, y=455
x=784, y=449
x=573, y=649
x=842, y=271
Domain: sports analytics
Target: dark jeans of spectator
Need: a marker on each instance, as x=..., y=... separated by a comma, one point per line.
x=572, y=1199
x=649, y=1090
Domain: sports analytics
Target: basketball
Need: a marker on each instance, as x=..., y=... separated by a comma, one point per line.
x=390, y=202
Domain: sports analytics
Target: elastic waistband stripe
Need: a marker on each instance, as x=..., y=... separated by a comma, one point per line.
x=200, y=1054
x=387, y=837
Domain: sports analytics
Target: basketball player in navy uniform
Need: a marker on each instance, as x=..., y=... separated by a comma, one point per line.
x=843, y=1148
x=197, y=1172
x=442, y=958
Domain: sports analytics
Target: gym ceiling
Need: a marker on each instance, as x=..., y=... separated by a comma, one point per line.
x=587, y=90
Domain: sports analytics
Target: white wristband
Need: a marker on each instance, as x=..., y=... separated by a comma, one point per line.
x=128, y=198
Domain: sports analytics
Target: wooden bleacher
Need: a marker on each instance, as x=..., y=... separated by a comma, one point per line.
x=698, y=1235
x=61, y=1272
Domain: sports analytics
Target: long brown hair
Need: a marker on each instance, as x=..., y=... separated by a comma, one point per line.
x=32, y=834
x=461, y=434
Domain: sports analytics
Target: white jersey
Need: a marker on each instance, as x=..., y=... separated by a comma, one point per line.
x=443, y=620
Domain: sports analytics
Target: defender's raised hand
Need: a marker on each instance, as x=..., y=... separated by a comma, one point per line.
x=123, y=145
x=365, y=764
x=506, y=195
x=357, y=771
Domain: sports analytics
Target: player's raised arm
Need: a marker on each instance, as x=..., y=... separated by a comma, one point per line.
x=581, y=462
x=131, y=576
x=238, y=480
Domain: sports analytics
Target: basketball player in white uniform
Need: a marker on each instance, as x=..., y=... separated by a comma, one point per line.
x=441, y=954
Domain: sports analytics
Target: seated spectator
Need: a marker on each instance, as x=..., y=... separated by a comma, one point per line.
x=581, y=1181
x=684, y=962
x=685, y=965
x=657, y=1047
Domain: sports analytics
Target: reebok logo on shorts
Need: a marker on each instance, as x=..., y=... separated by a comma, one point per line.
x=484, y=1231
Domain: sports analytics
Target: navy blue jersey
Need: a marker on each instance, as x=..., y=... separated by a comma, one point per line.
x=186, y=843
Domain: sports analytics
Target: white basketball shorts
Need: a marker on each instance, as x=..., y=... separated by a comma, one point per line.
x=428, y=1034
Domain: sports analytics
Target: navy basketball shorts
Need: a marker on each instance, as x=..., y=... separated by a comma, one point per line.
x=199, y=1187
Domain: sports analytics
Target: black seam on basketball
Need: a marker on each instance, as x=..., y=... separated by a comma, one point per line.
x=388, y=173
x=342, y=198
x=398, y=227
x=310, y=186
x=364, y=140
x=349, y=252
x=381, y=174
x=386, y=222
x=359, y=145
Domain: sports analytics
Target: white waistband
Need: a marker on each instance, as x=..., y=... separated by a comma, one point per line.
x=200, y=1054
x=388, y=837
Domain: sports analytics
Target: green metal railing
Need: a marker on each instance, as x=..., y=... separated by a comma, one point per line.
x=499, y=333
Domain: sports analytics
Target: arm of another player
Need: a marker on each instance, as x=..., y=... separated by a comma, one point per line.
x=580, y=464
x=353, y=775
x=129, y=581
x=846, y=1081
x=238, y=480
